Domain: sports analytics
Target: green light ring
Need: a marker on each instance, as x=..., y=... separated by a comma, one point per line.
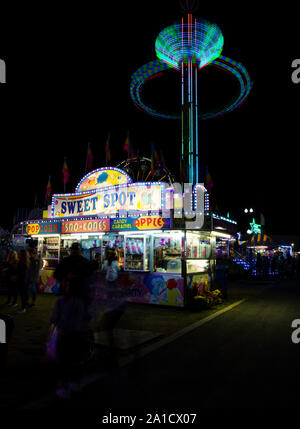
x=155, y=68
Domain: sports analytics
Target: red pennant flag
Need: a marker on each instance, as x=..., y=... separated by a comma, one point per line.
x=107, y=151
x=155, y=161
x=65, y=172
x=162, y=160
x=48, y=192
x=208, y=181
x=128, y=146
x=89, y=159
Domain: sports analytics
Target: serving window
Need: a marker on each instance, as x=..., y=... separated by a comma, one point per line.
x=167, y=252
x=198, y=245
x=49, y=251
x=113, y=240
x=199, y=252
x=136, y=250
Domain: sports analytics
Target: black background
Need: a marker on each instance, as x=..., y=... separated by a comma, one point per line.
x=68, y=77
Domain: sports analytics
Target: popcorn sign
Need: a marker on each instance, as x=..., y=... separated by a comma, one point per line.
x=43, y=228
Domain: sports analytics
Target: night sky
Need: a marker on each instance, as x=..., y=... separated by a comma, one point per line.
x=68, y=76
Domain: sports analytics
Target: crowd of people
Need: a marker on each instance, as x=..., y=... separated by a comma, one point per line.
x=69, y=329
x=20, y=272
x=278, y=265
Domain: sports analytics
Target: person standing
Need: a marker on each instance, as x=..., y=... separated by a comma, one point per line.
x=297, y=265
x=34, y=271
x=23, y=278
x=258, y=265
x=115, y=303
x=274, y=264
x=75, y=266
x=11, y=273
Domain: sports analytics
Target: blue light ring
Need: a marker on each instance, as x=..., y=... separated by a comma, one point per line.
x=142, y=75
x=237, y=69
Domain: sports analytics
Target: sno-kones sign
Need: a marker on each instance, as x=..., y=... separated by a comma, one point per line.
x=106, y=200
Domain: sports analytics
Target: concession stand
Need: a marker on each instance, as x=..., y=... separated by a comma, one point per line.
x=160, y=254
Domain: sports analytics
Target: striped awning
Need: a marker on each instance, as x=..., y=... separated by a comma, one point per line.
x=260, y=240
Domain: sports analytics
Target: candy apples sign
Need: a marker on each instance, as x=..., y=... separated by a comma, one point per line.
x=150, y=222
x=141, y=223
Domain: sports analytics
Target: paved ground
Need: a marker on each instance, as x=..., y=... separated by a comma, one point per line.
x=242, y=358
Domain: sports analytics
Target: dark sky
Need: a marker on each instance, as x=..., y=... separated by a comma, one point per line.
x=68, y=76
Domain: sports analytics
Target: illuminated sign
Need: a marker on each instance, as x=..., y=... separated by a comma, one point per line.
x=255, y=227
x=129, y=197
x=43, y=228
x=85, y=226
x=141, y=223
x=102, y=178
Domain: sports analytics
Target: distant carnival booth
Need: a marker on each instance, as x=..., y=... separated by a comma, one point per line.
x=161, y=255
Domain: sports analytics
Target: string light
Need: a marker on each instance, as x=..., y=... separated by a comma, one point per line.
x=102, y=170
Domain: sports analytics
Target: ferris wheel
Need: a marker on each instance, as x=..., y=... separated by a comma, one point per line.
x=139, y=169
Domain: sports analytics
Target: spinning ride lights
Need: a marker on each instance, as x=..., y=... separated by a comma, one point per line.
x=188, y=47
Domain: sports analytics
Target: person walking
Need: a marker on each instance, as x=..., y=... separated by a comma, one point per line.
x=34, y=271
x=258, y=265
x=265, y=266
x=10, y=271
x=23, y=278
x=281, y=266
x=274, y=264
x=70, y=318
x=289, y=267
x=75, y=266
x=115, y=303
x=297, y=266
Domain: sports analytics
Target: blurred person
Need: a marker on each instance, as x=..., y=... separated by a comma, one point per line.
x=10, y=271
x=34, y=271
x=96, y=262
x=23, y=278
x=70, y=318
x=297, y=266
x=75, y=266
x=115, y=303
x=274, y=264
x=258, y=265
x=281, y=266
x=265, y=266
x=289, y=267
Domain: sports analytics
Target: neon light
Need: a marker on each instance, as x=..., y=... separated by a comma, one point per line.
x=142, y=75
x=136, y=197
x=224, y=218
x=255, y=227
x=103, y=177
x=175, y=45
